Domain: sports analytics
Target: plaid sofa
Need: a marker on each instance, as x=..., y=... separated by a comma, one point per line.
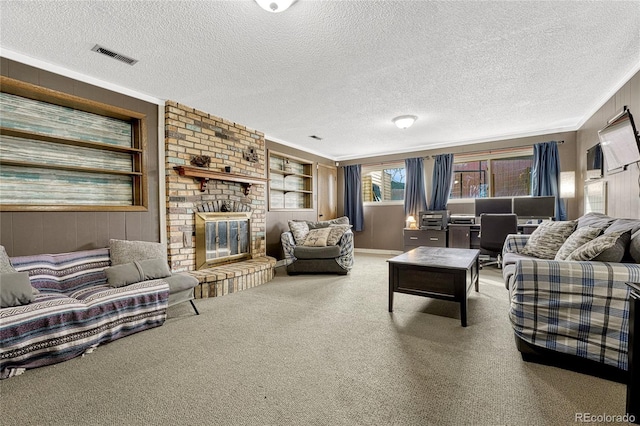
x=579, y=308
x=75, y=310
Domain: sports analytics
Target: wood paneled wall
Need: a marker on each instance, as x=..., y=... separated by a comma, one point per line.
x=25, y=233
x=623, y=188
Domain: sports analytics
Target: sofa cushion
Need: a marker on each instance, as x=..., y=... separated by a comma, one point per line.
x=181, y=281
x=15, y=289
x=123, y=251
x=300, y=230
x=335, y=233
x=578, y=238
x=547, y=238
x=634, y=247
x=133, y=272
x=5, y=263
x=512, y=258
x=317, y=237
x=596, y=246
x=631, y=225
x=595, y=220
x=328, y=252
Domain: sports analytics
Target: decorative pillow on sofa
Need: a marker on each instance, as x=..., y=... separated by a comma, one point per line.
x=15, y=289
x=335, y=233
x=134, y=272
x=299, y=229
x=5, y=263
x=596, y=246
x=317, y=237
x=579, y=237
x=123, y=251
x=595, y=220
x=617, y=252
x=547, y=239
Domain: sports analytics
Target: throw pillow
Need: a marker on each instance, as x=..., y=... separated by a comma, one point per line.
x=299, y=229
x=547, y=239
x=335, y=233
x=15, y=289
x=616, y=252
x=317, y=237
x=5, y=263
x=596, y=246
x=575, y=240
x=134, y=272
x=123, y=251
x=344, y=220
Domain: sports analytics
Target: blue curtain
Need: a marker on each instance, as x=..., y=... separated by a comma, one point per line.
x=415, y=199
x=545, y=176
x=441, y=185
x=353, y=208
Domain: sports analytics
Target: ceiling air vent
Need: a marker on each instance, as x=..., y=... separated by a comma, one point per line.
x=114, y=55
x=318, y=138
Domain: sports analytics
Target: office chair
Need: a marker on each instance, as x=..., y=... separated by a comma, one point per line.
x=494, y=229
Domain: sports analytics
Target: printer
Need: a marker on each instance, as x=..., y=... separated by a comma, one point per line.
x=462, y=219
x=433, y=219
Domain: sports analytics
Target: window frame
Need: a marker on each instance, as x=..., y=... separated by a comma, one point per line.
x=488, y=156
x=379, y=168
x=137, y=151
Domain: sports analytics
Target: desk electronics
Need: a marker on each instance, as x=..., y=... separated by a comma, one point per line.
x=462, y=219
x=433, y=219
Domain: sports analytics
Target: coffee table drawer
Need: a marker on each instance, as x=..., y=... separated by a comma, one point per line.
x=414, y=280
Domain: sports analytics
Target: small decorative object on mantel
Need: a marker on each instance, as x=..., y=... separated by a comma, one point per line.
x=201, y=160
x=251, y=155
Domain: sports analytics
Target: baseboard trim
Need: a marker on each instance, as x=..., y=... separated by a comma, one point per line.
x=378, y=251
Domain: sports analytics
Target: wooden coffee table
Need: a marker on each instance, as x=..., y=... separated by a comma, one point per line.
x=438, y=272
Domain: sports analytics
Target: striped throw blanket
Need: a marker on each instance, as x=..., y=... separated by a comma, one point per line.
x=75, y=310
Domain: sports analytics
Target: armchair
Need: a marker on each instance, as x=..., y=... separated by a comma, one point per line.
x=300, y=257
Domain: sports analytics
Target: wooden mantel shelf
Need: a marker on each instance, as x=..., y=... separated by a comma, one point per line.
x=204, y=175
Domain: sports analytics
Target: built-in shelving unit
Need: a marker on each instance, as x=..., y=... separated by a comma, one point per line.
x=290, y=182
x=62, y=152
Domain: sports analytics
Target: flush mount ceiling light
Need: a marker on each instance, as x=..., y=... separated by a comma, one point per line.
x=405, y=121
x=275, y=6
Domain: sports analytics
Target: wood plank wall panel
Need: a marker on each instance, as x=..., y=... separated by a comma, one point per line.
x=623, y=191
x=24, y=233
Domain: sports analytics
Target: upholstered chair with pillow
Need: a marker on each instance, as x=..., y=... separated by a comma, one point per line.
x=318, y=247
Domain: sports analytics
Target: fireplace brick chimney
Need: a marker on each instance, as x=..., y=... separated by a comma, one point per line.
x=190, y=133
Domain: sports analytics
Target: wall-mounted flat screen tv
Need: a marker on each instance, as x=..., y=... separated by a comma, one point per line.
x=620, y=141
x=595, y=164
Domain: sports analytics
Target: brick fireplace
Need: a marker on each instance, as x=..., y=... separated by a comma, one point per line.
x=191, y=133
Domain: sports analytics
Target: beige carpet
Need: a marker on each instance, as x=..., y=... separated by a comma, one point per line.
x=314, y=350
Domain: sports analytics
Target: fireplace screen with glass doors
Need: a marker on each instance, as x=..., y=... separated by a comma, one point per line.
x=222, y=238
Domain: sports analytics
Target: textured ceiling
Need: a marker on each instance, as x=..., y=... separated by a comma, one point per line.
x=471, y=71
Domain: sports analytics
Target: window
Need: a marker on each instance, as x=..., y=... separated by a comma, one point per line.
x=492, y=174
x=61, y=152
x=383, y=183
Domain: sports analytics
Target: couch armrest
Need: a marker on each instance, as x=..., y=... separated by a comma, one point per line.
x=579, y=308
x=288, y=247
x=514, y=243
x=345, y=260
